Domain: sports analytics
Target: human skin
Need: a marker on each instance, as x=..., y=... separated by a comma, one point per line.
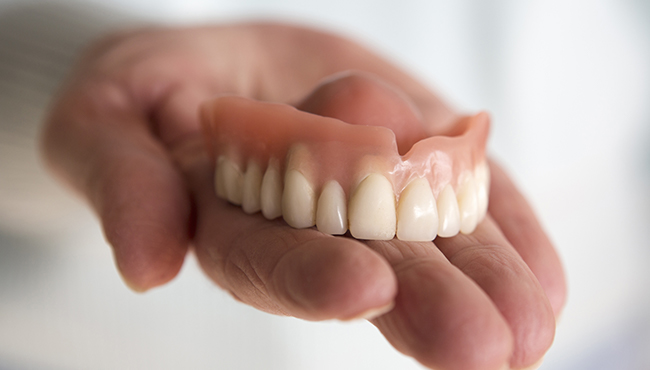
x=124, y=132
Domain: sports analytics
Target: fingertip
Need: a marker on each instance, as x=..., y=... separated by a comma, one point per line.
x=146, y=256
x=334, y=277
x=146, y=217
x=556, y=291
x=361, y=98
x=373, y=313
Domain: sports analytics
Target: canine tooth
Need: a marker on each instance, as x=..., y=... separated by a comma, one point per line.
x=417, y=213
x=252, y=188
x=468, y=205
x=331, y=213
x=271, y=193
x=372, y=209
x=219, y=179
x=483, y=189
x=233, y=181
x=298, y=201
x=448, y=213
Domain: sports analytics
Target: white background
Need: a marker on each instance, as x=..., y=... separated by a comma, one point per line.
x=567, y=82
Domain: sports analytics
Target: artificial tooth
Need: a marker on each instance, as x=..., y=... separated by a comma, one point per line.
x=331, y=212
x=271, y=193
x=482, y=171
x=298, y=201
x=372, y=209
x=468, y=205
x=417, y=213
x=483, y=189
x=252, y=188
x=219, y=178
x=233, y=181
x=482, y=200
x=448, y=213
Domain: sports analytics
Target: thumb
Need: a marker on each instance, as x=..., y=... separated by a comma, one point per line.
x=361, y=98
x=101, y=145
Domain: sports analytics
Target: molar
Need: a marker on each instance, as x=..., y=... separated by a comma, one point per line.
x=417, y=214
x=271, y=192
x=468, y=205
x=372, y=209
x=233, y=181
x=331, y=212
x=298, y=201
x=252, y=188
x=448, y=213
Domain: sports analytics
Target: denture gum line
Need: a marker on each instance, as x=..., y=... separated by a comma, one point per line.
x=348, y=177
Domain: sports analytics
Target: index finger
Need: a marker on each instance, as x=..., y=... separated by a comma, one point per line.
x=278, y=269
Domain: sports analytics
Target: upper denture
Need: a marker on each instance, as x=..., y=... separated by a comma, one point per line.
x=308, y=151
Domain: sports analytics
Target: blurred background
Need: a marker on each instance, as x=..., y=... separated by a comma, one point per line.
x=567, y=82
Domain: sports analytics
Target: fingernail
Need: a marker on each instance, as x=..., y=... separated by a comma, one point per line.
x=373, y=312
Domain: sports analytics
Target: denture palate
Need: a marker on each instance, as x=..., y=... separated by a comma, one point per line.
x=320, y=171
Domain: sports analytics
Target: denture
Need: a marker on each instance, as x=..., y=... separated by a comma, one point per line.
x=368, y=178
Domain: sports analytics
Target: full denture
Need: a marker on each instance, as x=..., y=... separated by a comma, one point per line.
x=320, y=171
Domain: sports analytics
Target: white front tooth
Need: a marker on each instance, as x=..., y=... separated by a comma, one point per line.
x=372, y=209
x=331, y=213
x=233, y=181
x=417, y=213
x=219, y=179
x=271, y=193
x=252, y=188
x=483, y=189
x=468, y=205
x=298, y=201
x=448, y=214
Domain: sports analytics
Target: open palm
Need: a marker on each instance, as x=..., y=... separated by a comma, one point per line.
x=125, y=132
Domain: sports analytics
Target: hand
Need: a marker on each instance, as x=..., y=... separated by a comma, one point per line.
x=125, y=132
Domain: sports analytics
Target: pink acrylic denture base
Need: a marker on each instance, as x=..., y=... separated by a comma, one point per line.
x=324, y=148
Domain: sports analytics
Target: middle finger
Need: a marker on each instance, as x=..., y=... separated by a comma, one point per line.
x=441, y=317
x=489, y=259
